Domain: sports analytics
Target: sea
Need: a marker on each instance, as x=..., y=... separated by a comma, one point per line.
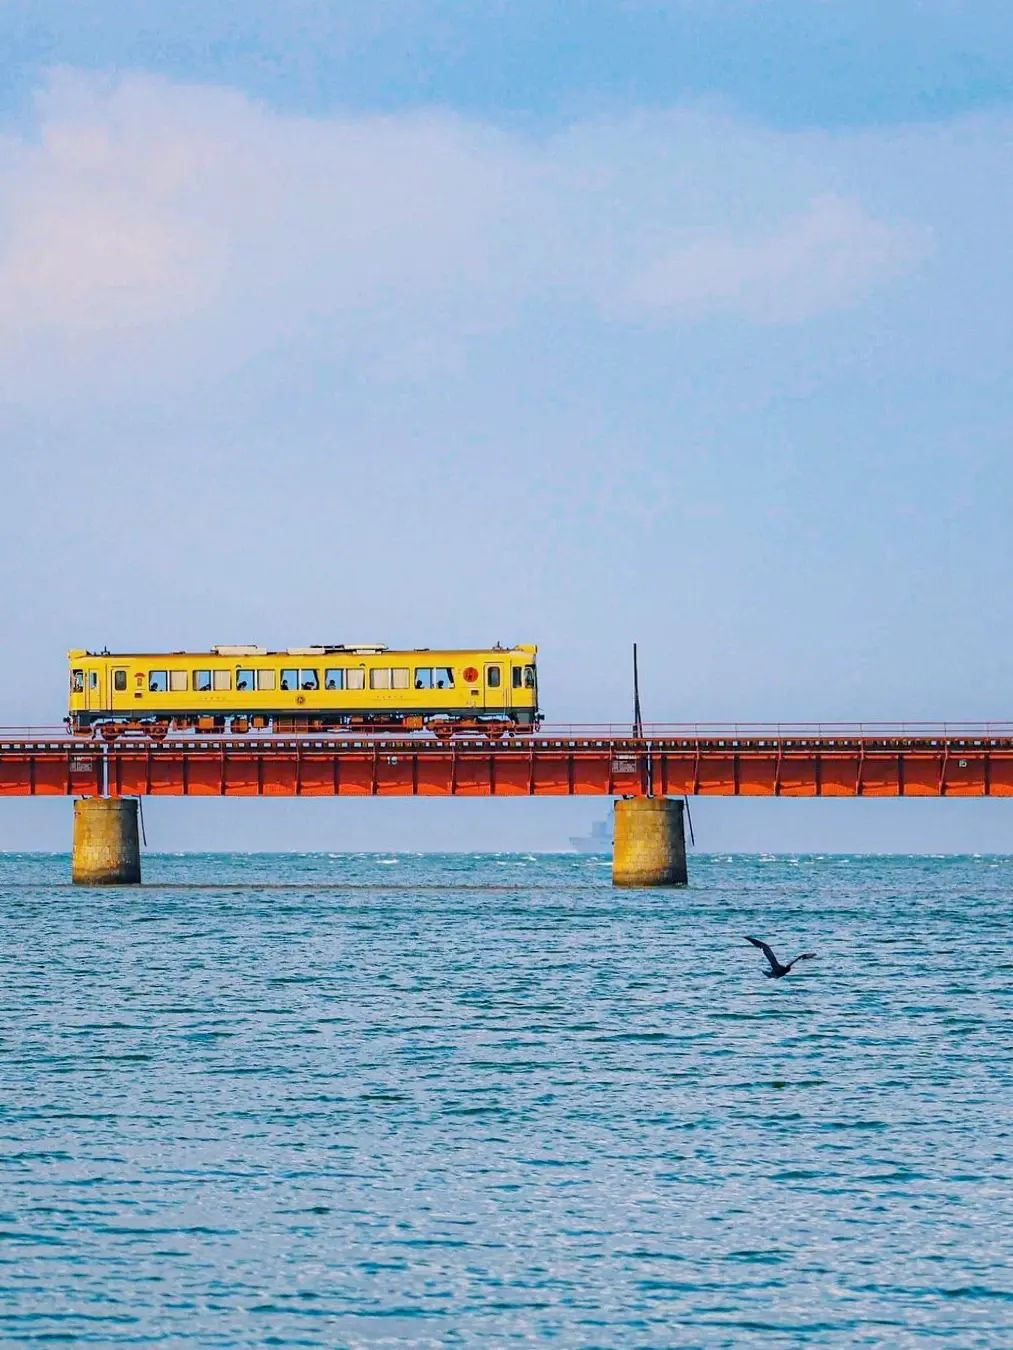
x=486, y=1099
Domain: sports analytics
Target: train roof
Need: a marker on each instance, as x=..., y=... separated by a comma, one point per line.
x=318, y=650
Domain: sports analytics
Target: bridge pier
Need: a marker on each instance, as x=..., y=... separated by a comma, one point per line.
x=650, y=842
x=106, y=848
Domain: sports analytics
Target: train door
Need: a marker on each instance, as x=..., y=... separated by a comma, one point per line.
x=496, y=693
x=94, y=691
x=118, y=688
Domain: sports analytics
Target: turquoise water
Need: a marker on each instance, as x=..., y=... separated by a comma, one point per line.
x=325, y=1101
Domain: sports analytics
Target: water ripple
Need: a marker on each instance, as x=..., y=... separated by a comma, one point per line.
x=321, y=1100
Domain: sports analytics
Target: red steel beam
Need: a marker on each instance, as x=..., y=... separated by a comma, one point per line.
x=57, y=768
x=746, y=766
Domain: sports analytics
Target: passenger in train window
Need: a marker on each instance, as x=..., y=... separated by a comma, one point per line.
x=290, y=679
x=334, y=678
x=202, y=681
x=444, y=677
x=309, y=679
x=244, y=679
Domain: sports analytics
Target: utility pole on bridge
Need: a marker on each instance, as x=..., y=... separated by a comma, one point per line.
x=649, y=842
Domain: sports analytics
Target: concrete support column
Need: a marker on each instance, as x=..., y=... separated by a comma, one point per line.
x=650, y=843
x=106, y=848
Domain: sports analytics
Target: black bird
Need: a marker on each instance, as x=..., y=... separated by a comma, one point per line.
x=776, y=968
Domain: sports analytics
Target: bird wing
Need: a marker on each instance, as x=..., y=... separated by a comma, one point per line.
x=806, y=956
x=774, y=962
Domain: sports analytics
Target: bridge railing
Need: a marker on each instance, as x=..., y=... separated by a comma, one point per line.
x=598, y=731
x=782, y=730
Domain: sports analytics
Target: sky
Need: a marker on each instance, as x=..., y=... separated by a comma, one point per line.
x=448, y=323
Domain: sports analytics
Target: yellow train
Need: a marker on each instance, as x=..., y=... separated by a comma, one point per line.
x=352, y=688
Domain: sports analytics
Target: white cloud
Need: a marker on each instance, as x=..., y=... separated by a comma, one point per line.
x=145, y=202
x=828, y=257
x=147, y=221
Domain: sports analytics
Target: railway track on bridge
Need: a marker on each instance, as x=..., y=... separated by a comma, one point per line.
x=750, y=760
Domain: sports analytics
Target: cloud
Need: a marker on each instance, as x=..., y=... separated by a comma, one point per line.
x=156, y=199
x=830, y=256
x=146, y=221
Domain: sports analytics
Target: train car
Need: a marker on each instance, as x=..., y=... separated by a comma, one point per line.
x=361, y=688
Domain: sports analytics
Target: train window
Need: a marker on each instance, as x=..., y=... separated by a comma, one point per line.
x=244, y=679
x=120, y=681
x=177, y=681
x=389, y=678
x=309, y=679
x=355, y=679
x=265, y=679
x=290, y=679
x=158, y=681
x=434, y=677
x=493, y=675
x=529, y=677
x=93, y=679
x=222, y=679
x=202, y=681
x=334, y=678
x=77, y=682
x=517, y=676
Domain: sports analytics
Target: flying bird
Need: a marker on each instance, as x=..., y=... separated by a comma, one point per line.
x=776, y=968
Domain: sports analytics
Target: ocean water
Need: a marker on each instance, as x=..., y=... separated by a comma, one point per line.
x=403, y=1100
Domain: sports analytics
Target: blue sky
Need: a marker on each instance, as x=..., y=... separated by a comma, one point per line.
x=433, y=322
x=789, y=62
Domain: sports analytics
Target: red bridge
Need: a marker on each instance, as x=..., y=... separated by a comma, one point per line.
x=856, y=760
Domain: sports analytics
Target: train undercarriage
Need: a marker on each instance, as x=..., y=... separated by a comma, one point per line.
x=110, y=728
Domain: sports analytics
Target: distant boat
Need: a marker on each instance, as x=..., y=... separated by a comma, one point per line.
x=598, y=841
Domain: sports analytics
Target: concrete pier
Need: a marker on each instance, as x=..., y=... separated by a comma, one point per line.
x=650, y=843
x=106, y=847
